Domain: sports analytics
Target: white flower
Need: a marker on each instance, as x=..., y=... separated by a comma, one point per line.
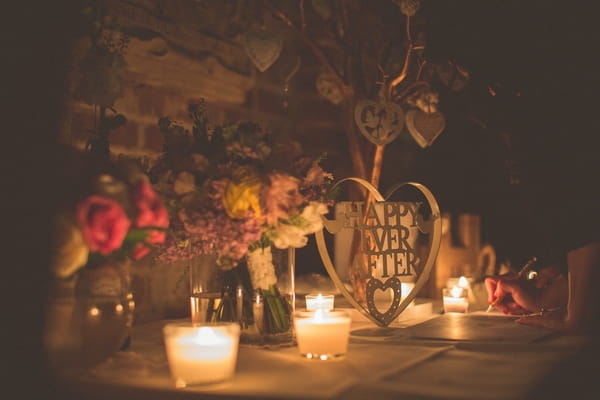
x=288, y=235
x=312, y=215
x=261, y=268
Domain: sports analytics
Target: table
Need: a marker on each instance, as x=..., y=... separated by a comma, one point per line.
x=382, y=363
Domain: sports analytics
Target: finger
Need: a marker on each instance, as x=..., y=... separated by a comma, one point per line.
x=490, y=285
x=516, y=309
x=522, y=293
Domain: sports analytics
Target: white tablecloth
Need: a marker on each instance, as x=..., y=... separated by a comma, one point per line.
x=393, y=365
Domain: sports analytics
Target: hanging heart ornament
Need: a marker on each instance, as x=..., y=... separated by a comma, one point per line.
x=328, y=88
x=424, y=127
x=380, y=123
x=263, y=47
x=388, y=232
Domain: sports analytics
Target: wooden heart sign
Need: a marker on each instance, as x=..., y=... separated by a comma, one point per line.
x=380, y=123
x=424, y=127
x=262, y=47
x=388, y=232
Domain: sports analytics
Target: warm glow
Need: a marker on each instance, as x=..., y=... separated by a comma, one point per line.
x=319, y=302
x=201, y=354
x=456, y=291
x=94, y=311
x=322, y=334
x=209, y=337
x=463, y=282
x=119, y=308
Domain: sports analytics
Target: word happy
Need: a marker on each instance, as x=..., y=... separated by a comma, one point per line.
x=385, y=240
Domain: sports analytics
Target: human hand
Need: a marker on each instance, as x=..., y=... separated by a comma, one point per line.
x=519, y=296
x=510, y=294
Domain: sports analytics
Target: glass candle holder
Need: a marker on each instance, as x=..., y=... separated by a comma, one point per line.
x=319, y=302
x=201, y=353
x=455, y=300
x=322, y=335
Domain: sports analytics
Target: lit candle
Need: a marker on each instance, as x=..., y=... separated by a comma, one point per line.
x=322, y=335
x=461, y=281
x=201, y=353
x=455, y=300
x=319, y=302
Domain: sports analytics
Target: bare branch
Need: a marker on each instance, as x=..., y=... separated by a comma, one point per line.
x=409, y=49
x=312, y=45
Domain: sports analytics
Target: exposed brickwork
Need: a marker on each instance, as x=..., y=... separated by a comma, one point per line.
x=163, y=83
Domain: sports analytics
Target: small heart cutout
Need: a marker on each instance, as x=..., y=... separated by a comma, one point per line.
x=375, y=284
x=262, y=47
x=380, y=123
x=383, y=299
x=423, y=127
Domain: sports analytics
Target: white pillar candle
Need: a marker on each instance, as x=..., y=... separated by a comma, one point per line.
x=322, y=334
x=319, y=302
x=201, y=353
x=455, y=300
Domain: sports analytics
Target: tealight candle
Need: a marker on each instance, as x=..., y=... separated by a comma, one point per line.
x=455, y=300
x=319, y=302
x=461, y=281
x=201, y=353
x=322, y=335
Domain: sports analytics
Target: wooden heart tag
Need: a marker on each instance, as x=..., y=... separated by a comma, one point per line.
x=380, y=123
x=262, y=47
x=423, y=127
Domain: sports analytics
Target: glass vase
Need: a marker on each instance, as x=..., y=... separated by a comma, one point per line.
x=258, y=294
x=272, y=296
x=89, y=316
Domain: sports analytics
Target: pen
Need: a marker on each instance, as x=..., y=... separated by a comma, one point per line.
x=520, y=275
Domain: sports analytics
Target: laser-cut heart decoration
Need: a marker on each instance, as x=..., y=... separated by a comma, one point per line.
x=262, y=47
x=380, y=123
x=388, y=232
x=375, y=284
x=424, y=127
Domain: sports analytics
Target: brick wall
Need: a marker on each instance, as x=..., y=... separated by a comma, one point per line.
x=166, y=72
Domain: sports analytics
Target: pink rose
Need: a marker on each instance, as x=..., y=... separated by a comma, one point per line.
x=103, y=222
x=150, y=213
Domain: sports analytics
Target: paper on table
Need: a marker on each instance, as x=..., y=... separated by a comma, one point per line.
x=477, y=326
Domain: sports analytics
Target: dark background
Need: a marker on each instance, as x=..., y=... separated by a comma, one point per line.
x=538, y=56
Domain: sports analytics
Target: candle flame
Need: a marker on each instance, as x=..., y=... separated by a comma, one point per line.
x=456, y=291
x=463, y=282
x=208, y=336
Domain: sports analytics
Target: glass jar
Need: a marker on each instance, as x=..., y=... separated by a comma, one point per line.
x=89, y=316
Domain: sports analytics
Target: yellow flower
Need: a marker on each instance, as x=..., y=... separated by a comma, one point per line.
x=243, y=193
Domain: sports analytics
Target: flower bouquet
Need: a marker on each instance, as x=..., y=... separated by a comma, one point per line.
x=109, y=217
x=233, y=193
